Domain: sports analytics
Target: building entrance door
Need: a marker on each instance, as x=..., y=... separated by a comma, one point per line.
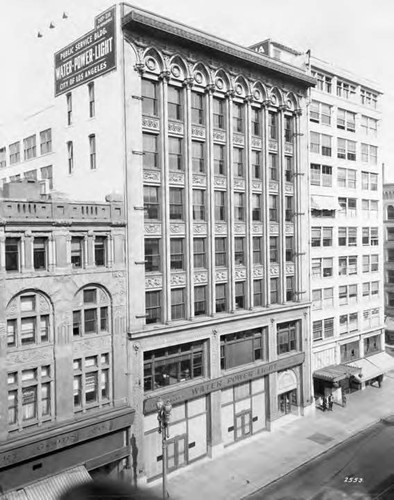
x=287, y=402
x=176, y=452
x=243, y=424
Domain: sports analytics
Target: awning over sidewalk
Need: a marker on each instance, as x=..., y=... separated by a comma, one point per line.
x=325, y=203
x=389, y=324
x=367, y=369
x=375, y=365
x=51, y=487
x=335, y=373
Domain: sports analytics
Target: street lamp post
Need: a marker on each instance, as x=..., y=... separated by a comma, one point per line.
x=163, y=416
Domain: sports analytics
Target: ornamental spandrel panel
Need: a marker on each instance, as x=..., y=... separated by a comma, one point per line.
x=32, y=355
x=289, y=148
x=289, y=229
x=240, y=228
x=274, y=187
x=289, y=188
x=221, y=228
x=177, y=229
x=153, y=229
x=220, y=181
x=256, y=143
x=238, y=139
x=290, y=269
x=221, y=275
x=199, y=229
x=151, y=176
x=200, y=277
x=152, y=282
x=199, y=180
x=274, y=228
x=177, y=178
x=177, y=279
x=151, y=123
x=219, y=136
x=175, y=128
x=92, y=345
x=239, y=183
x=257, y=228
x=240, y=273
x=273, y=145
x=257, y=186
x=274, y=269
x=198, y=132
x=258, y=272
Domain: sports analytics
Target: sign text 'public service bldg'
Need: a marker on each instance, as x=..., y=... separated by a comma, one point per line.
x=92, y=55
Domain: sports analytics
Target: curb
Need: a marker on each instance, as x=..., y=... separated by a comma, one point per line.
x=389, y=420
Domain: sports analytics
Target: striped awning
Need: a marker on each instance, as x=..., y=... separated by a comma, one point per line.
x=374, y=365
x=325, y=203
x=335, y=373
x=50, y=488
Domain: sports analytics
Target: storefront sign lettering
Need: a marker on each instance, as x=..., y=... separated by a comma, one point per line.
x=90, y=56
x=47, y=445
x=184, y=394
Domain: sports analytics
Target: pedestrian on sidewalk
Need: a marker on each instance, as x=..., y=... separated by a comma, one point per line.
x=330, y=402
x=344, y=400
x=320, y=402
x=324, y=403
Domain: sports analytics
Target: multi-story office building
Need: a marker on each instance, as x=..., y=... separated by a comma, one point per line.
x=207, y=141
x=62, y=319
x=388, y=218
x=346, y=231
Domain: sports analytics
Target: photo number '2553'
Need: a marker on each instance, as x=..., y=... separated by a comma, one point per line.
x=353, y=480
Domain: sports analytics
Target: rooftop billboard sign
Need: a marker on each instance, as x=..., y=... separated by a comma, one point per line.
x=92, y=55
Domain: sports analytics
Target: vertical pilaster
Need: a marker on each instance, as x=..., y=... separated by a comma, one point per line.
x=27, y=252
x=265, y=202
x=188, y=200
x=248, y=196
x=282, y=206
x=299, y=180
x=230, y=201
x=211, y=200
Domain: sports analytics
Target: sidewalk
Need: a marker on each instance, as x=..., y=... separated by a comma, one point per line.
x=254, y=463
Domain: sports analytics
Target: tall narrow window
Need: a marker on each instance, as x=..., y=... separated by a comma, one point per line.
x=12, y=254
x=15, y=152
x=220, y=206
x=175, y=103
x=274, y=292
x=238, y=113
x=149, y=98
x=29, y=147
x=152, y=202
x=218, y=113
x=198, y=204
x=257, y=293
x=239, y=206
x=152, y=254
x=198, y=157
x=219, y=159
x=77, y=251
x=40, y=253
x=289, y=248
x=256, y=207
x=153, y=307
x=197, y=108
x=256, y=121
x=92, y=151
x=274, y=249
x=273, y=208
x=199, y=253
x=257, y=250
x=256, y=164
x=239, y=251
x=273, y=167
x=175, y=154
x=91, y=100
x=70, y=157
x=200, y=300
x=220, y=252
x=177, y=261
x=221, y=300
x=178, y=303
x=176, y=203
x=69, y=108
x=288, y=129
x=151, y=156
x=238, y=162
x=100, y=248
x=240, y=295
x=46, y=141
x=272, y=125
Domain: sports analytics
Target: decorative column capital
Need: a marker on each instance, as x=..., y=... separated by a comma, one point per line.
x=298, y=112
x=165, y=75
x=283, y=107
x=230, y=94
x=210, y=88
x=188, y=82
x=248, y=99
x=267, y=103
x=139, y=68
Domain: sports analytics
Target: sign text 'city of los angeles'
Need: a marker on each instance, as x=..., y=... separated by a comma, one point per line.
x=90, y=56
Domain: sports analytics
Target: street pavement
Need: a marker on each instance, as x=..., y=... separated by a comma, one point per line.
x=250, y=465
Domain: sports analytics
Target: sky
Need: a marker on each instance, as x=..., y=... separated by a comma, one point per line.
x=357, y=35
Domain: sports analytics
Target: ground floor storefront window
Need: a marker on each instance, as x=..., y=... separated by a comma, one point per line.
x=187, y=440
x=243, y=410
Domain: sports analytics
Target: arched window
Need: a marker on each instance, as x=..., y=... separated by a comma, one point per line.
x=390, y=212
x=91, y=312
x=29, y=320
